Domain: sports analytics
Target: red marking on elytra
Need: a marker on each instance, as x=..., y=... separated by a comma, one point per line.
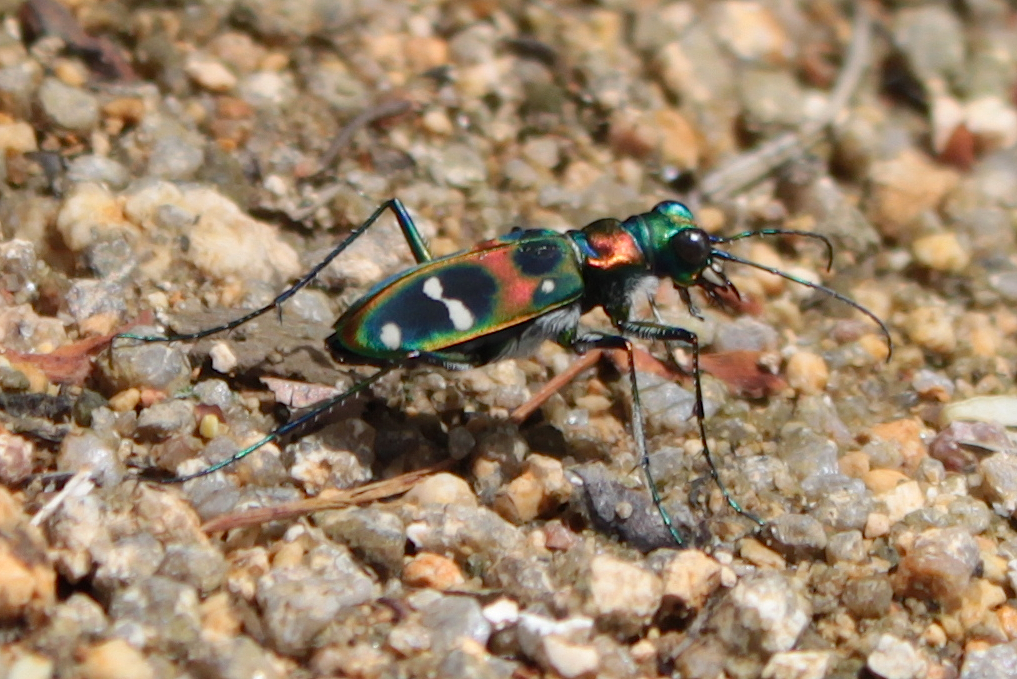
x=517, y=296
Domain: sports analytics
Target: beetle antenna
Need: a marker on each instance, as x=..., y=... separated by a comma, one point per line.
x=781, y=232
x=727, y=256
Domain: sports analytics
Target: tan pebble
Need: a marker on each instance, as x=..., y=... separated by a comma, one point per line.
x=934, y=636
x=551, y=474
x=875, y=346
x=275, y=61
x=129, y=110
x=569, y=659
x=210, y=426
x=437, y=121
x=209, y=73
x=992, y=121
x=643, y=650
x=425, y=53
x=442, y=489
x=764, y=254
x=149, y=397
x=904, y=188
x=756, y=553
x=907, y=434
x=752, y=32
x=90, y=212
x=99, y=324
x=126, y=400
x=854, y=464
x=941, y=252
x=38, y=383
x=679, y=142
x=623, y=589
x=799, y=664
x=932, y=329
x=981, y=334
x=17, y=137
x=883, y=480
x=434, y=571
x=114, y=659
x=876, y=525
x=30, y=666
x=807, y=372
x=593, y=403
x=902, y=499
x=520, y=501
x=690, y=578
x=1007, y=615
x=218, y=618
x=979, y=603
x=288, y=554
x=710, y=219
x=70, y=72
x=25, y=587
x=223, y=358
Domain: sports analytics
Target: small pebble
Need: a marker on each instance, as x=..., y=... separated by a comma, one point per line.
x=17, y=137
x=939, y=565
x=798, y=665
x=768, y=611
x=999, y=482
x=114, y=659
x=451, y=619
x=895, y=658
x=434, y=571
x=224, y=361
x=754, y=552
x=847, y=546
x=941, y=252
x=877, y=525
x=442, y=489
x=932, y=329
x=68, y=107
x=30, y=666
x=690, y=578
x=209, y=73
x=869, y=597
x=807, y=372
x=623, y=594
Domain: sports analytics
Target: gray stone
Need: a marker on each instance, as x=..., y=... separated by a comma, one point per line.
x=299, y=601
x=995, y=662
x=69, y=107
x=452, y=618
x=766, y=611
x=166, y=418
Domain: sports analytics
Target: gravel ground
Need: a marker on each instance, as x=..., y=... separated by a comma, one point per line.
x=171, y=166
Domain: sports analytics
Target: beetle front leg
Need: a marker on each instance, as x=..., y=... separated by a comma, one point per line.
x=584, y=343
x=669, y=333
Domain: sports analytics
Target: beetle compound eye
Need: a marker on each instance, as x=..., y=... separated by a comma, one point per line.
x=692, y=247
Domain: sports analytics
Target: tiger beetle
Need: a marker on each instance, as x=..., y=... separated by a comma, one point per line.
x=504, y=296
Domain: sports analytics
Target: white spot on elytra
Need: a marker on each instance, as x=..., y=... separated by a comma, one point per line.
x=433, y=289
x=547, y=286
x=391, y=336
x=461, y=317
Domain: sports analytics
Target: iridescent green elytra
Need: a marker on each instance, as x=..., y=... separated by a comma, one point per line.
x=505, y=295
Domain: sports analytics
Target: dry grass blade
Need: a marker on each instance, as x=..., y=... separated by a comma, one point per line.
x=331, y=499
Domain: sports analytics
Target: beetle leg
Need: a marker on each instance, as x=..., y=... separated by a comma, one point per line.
x=667, y=333
x=410, y=232
x=315, y=412
x=584, y=343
